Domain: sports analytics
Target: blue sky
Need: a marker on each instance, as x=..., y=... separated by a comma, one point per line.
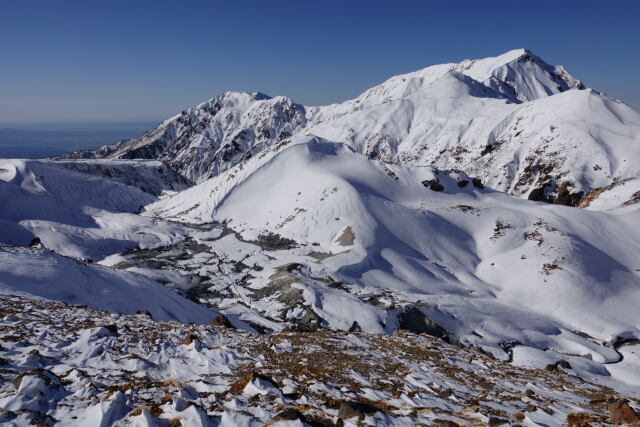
x=144, y=60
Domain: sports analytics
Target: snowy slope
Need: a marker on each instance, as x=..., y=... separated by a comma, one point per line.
x=513, y=121
x=43, y=274
x=78, y=214
x=490, y=268
x=49, y=178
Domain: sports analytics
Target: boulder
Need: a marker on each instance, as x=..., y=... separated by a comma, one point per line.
x=188, y=339
x=559, y=364
x=414, y=320
x=288, y=414
x=433, y=184
x=580, y=419
x=621, y=413
x=353, y=409
x=238, y=386
x=221, y=321
x=496, y=421
x=145, y=313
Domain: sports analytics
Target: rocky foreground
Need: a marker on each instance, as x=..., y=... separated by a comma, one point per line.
x=75, y=365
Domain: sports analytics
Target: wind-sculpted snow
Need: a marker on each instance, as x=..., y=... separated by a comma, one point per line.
x=517, y=123
x=72, y=365
x=43, y=274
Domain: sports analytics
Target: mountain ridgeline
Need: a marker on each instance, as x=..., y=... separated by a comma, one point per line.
x=404, y=221
x=514, y=122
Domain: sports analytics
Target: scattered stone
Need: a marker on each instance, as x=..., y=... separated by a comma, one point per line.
x=308, y=368
x=309, y=322
x=273, y=242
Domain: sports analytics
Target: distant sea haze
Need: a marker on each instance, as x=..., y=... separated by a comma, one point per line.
x=33, y=141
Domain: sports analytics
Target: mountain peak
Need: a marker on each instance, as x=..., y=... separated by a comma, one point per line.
x=515, y=54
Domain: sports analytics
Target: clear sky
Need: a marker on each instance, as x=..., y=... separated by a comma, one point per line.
x=114, y=60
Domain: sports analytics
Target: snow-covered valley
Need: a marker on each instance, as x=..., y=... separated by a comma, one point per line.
x=483, y=210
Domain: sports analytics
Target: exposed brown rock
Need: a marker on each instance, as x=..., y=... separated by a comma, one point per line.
x=445, y=423
x=49, y=378
x=352, y=409
x=621, y=413
x=580, y=419
x=347, y=237
x=288, y=414
x=188, y=339
x=221, y=321
x=238, y=386
x=495, y=421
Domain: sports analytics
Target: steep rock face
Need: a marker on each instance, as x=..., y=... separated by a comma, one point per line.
x=211, y=137
x=513, y=121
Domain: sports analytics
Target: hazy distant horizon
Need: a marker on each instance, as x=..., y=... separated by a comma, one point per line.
x=39, y=140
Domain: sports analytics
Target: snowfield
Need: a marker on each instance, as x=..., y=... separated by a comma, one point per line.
x=484, y=214
x=486, y=266
x=42, y=274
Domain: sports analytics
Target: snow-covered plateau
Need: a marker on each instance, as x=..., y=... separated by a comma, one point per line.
x=457, y=246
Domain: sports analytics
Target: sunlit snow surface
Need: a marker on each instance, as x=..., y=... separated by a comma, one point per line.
x=402, y=209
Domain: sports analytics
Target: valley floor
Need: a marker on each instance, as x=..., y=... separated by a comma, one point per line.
x=75, y=365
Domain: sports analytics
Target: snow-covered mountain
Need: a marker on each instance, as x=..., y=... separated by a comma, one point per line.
x=416, y=206
x=211, y=137
x=515, y=122
x=360, y=242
